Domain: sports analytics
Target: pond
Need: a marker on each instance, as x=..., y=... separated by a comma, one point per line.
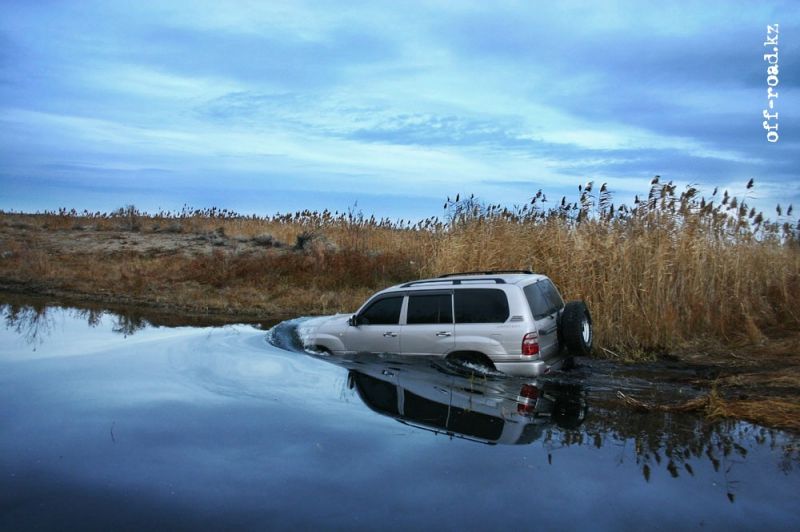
x=108, y=421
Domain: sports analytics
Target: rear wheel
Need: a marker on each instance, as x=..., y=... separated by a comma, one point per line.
x=576, y=328
x=569, y=410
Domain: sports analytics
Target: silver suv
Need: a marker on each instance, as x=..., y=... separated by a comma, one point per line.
x=514, y=321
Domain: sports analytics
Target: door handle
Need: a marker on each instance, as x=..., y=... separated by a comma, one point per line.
x=389, y=334
x=444, y=333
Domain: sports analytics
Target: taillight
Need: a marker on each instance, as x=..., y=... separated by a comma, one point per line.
x=530, y=344
x=526, y=400
x=529, y=391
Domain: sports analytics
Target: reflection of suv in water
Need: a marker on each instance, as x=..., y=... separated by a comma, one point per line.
x=515, y=321
x=442, y=398
x=488, y=411
x=430, y=397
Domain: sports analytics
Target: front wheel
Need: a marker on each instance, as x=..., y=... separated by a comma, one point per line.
x=576, y=328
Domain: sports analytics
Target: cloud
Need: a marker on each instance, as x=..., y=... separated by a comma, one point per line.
x=278, y=61
x=397, y=99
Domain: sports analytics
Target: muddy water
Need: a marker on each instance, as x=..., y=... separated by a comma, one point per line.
x=108, y=422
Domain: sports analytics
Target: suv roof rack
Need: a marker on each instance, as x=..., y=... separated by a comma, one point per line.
x=496, y=280
x=487, y=272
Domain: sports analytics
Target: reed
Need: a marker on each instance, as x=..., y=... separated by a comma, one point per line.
x=671, y=270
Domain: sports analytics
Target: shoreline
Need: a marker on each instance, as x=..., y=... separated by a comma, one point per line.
x=24, y=291
x=733, y=387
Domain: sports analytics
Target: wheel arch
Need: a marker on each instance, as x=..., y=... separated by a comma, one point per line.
x=465, y=355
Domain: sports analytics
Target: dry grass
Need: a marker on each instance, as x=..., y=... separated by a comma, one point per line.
x=674, y=270
x=772, y=412
x=670, y=270
x=782, y=413
x=693, y=405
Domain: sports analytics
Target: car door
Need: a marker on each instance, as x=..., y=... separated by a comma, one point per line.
x=377, y=327
x=428, y=329
x=545, y=314
x=479, y=317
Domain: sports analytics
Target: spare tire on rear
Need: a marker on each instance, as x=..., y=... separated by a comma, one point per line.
x=576, y=328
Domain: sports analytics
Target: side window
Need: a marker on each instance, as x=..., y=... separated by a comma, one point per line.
x=551, y=293
x=537, y=301
x=385, y=311
x=435, y=308
x=481, y=305
x=543, y=298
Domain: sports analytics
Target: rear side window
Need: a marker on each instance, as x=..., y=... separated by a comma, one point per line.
x=435, y=308
x=385, y=311
x=543, y=298
x=481, y=305
x=451, y=418
x=551, y=294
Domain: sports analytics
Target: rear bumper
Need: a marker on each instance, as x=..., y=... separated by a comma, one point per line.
x=523, y=368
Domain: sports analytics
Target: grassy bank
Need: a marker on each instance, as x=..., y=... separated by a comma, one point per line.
x=671, y=271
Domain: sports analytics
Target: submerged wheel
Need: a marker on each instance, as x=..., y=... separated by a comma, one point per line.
x=576, y=328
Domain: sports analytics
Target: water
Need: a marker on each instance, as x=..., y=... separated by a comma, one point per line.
x=108, y=422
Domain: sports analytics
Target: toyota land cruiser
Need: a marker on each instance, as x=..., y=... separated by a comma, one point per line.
x=512, y=320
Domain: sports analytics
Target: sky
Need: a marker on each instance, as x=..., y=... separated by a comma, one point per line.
x=389, y=107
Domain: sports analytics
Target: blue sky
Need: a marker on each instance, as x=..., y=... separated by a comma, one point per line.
x=275, y=106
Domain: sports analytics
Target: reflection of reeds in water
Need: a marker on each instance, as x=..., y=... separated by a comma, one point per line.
x=33, y=323
x=662, y=442
x=671, y=269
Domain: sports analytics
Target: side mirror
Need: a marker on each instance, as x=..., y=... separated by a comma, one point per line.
x=353, y=321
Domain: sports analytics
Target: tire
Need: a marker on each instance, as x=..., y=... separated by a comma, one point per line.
x=569, y=413
x=576, y=329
